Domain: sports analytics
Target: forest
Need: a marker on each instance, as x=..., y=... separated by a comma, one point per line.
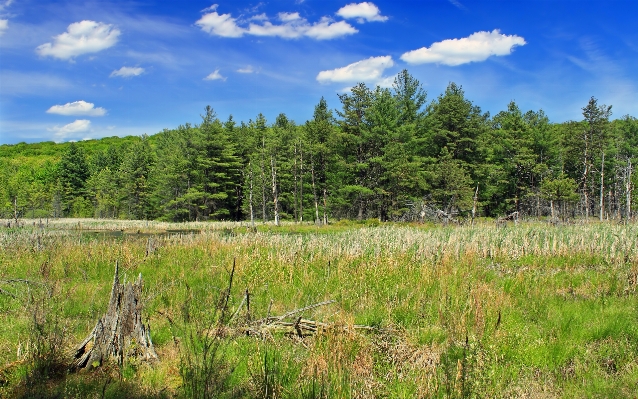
x=389, y=154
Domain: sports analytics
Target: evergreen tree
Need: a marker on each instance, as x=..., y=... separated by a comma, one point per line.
x=72, y=172
x=218, y=170
x=134, y=172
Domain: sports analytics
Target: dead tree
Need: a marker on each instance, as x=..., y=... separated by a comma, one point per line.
x=502, y=221
x=120, y=333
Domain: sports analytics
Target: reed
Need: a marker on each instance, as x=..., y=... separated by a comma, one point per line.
x=525, y=310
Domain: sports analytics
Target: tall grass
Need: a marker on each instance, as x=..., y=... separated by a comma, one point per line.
x=483, y=311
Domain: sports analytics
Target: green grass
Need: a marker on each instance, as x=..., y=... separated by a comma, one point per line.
x=529, y=310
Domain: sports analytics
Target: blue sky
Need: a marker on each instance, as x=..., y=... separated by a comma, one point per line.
x=72, y=69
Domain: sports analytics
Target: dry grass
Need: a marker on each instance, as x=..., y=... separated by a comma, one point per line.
x=521, y=311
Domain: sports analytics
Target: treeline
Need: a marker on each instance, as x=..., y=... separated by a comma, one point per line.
x=384, y=153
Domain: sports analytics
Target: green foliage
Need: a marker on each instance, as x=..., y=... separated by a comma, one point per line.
x=384, y=153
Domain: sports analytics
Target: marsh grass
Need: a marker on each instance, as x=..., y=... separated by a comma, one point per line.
x=521, y=311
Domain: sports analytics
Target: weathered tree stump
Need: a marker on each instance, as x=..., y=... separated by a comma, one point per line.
x=120, y=333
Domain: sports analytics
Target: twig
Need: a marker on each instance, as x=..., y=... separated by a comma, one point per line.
x=237, y=311
x=294, y=312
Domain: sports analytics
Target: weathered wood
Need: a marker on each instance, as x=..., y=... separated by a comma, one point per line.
x=120, y=333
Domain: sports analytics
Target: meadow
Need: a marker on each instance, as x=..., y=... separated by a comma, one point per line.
x=517, y=311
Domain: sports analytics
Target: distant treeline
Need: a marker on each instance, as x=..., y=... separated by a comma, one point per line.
x=385, y=153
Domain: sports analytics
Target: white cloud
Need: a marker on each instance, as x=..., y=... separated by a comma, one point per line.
x=72, y=129
x=126, y=72
x=259, y=17
x=4, y=25
x=476, y=47
x=287, y=31
x=291, y=26
x=220, y=24
x=80, y=38
x=288, y=16
x=77, y=108
x=362, y=12
x=248, y=69
x=295, y=28
x=325, y=29
x=387, y=82
x=215, y=76
x=211, y=8
x=370, y=69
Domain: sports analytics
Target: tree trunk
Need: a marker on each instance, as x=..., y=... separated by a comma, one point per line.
x=602, y=187
x=474, y=201
x=120, y=333
x=250, y=197
x=263, y=182
x=296, y=191
x=301, y=187
x=325, y=205
x=15, y=209
x=273, y=172
x=314, y=192
x=628, y=189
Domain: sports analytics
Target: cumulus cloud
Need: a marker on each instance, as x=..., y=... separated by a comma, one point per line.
x=289, y=26
x=362, y=12
x=288, y=16
x=325, y=29
x=126, y=72
x=259, y=17
x=477, y=47
x=370, y=69
x=79, y=108
x=220, y=25
x=80, y=38
x=215, y=76
x=4, y=25
x=72, y=129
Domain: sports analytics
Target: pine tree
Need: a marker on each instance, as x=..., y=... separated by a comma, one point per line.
x=72, y=172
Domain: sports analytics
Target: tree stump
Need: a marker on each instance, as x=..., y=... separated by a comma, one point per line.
x=120, y=333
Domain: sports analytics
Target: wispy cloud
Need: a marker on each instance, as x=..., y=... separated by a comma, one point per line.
x=5, y=4
x=248, y=69
x=72, y=130
x=458, y=5
x=215, y=76
x=4, y=25
x=368, y=70
x=82, y=37
x=289, y=26
x=77, y=108
x=477, y=47
x=362, y=12
x=127, y=72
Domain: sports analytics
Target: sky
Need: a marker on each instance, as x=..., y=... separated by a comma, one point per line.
x=74, y=69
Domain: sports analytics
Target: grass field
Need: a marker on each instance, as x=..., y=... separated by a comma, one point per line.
x=521, y=311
